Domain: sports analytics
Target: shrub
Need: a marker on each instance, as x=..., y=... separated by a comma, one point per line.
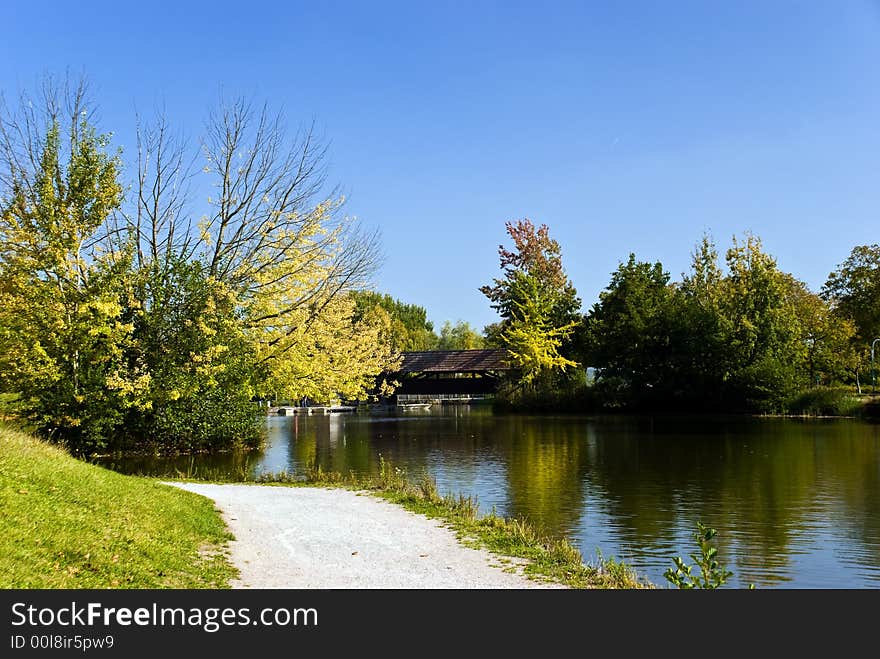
x=824, y=401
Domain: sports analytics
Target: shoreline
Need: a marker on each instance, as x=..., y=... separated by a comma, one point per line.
x=314, y=537
x=537, y=556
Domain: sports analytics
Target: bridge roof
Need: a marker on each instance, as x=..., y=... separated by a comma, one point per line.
x=454, y=361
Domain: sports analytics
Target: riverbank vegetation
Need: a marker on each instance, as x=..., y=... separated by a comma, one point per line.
x=68, y=524
x=139, y=312
x=742, y=336
x=133, y=315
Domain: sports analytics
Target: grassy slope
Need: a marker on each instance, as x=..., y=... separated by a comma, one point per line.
x=68, y=524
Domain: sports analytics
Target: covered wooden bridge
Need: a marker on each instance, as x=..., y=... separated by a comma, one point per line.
x=452, y=375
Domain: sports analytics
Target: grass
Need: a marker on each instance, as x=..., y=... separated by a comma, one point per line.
x=69, y=524
x=825, y=401
x=545, y=558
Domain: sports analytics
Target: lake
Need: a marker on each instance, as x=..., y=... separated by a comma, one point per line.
x=796, y=502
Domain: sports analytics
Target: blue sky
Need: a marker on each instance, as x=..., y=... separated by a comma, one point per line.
x=625, y=127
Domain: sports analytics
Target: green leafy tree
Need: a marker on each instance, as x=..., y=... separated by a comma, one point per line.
x=409, y=327
x=853, y=290
x=531, y=339
x=764, y=331
x=460, y=336
x=276, y=237
x=201, y=363
x=747, y=339
x=536, y=255
x=828, y=352
x=131, y=322
x=700, y=329
x=627, y=332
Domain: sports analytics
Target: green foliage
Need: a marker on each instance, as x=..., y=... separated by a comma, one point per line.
x=531, y=339
x=131, y=325
x=711, y=574
x=824, y=401
x=763, y=331
x=409, y=330
x=537, y=303
x=854, y=290
x=616, y=572
x=744, y=341
x=62, y=298
x=627, y=332
x=460, y=336
x=199, y=359
x=540, y=257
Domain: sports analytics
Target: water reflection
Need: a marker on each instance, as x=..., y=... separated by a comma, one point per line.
x=796, y=503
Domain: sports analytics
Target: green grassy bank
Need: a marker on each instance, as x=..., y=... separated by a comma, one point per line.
x=68, y=524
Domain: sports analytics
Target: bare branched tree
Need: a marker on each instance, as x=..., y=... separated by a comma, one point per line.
x=160, y=221
x=275, y=226
x=23, y=131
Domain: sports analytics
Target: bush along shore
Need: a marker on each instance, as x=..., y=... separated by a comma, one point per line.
x=547, y=558
x=820, y=401
x=69, y=524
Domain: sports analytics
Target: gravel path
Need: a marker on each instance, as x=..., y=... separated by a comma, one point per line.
x=304, y=537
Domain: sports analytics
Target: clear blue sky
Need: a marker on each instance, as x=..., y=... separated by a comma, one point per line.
x=625, y=127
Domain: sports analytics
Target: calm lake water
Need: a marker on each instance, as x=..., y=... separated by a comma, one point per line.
x=796, y=503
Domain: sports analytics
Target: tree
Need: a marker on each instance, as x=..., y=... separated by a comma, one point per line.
x=827, y=340
x=281, y=246
x=853, y=290
x=132, y=322
x=532, y=341
x=745, y=340
x=62, y=295
x=700, y=329
x=536, y=255
x=200, y=361
x=460, y=336
x=409, y=327
x=318, y=363
x=537, y=302
x=764, y=333
x=627, y=334
x=274, y=242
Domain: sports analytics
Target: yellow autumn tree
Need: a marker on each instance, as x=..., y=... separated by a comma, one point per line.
x=130, y=320
x=63, y=328
x=278, y=240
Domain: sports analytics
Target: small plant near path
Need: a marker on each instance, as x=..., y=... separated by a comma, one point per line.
x=712, y=574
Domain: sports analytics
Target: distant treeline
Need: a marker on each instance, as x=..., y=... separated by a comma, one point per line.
x=737, y=335
x=410, y=329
